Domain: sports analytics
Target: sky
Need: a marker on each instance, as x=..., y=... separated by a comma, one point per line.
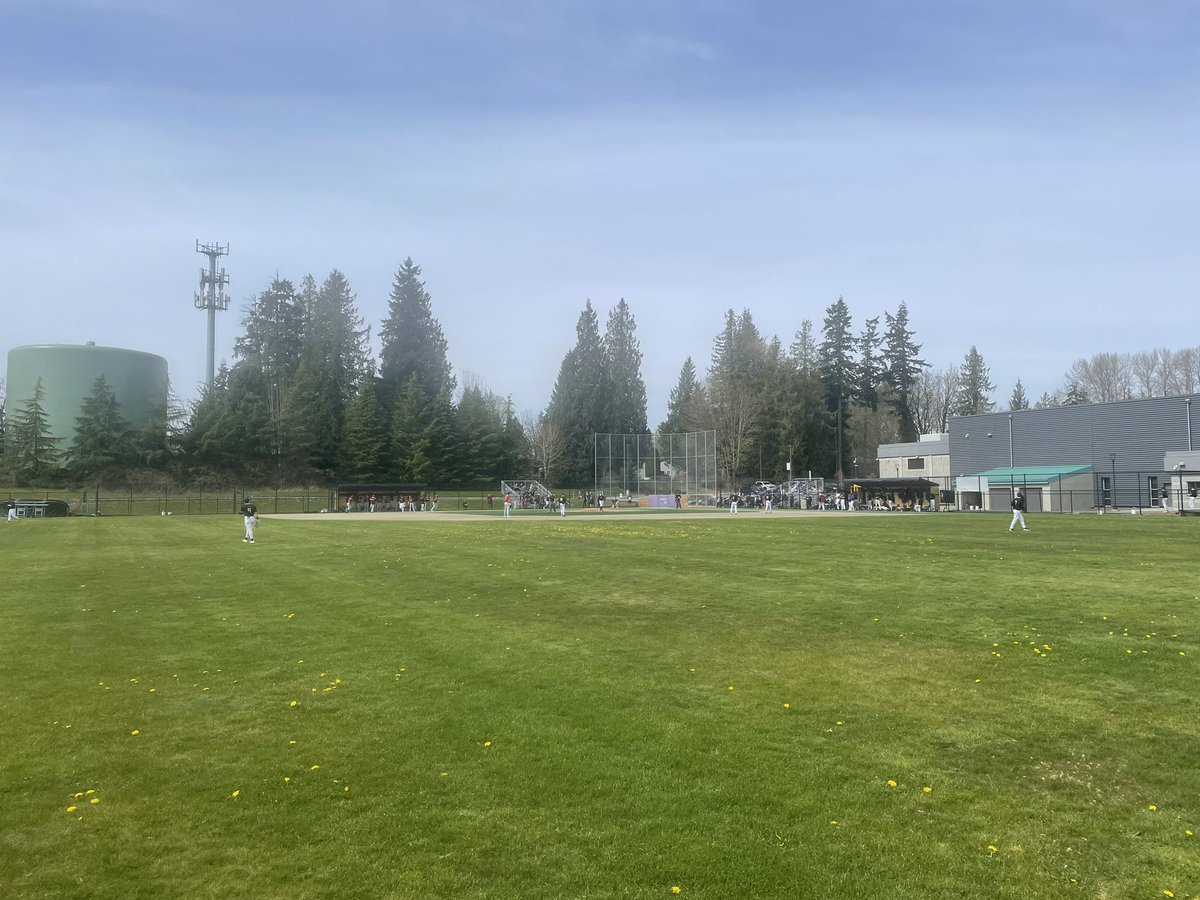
x=1023, y=175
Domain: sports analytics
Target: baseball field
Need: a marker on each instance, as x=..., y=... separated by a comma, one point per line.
x=790, y=705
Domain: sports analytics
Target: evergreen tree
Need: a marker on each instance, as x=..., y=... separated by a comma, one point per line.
x=103, y=447
x=1018, y=399
x=274, y=327
x=366, y=434
x=414, y=370
x=513, y=444
x=869, y=370
x=581, y=404
x=624, y=360
x=1076, y=396
x=804, y=352
x=333, y=361
x=480, y=426
x=31, y=454
x=837, y=372
x=1048, y=400
x=413, y=343
x=681, y=396
x=903, y=369
x=408, y=445
x=974, y=386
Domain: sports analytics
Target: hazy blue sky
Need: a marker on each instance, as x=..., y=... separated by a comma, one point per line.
x=1023, y=174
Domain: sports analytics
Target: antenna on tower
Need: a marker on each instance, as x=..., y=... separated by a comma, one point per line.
x=211, y=297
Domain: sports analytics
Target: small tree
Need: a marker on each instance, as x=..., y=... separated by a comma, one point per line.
x=545, y=441
x=103, y=448
x=31, y=451
x=1018, y=400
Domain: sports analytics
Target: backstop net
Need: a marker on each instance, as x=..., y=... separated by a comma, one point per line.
x=658, y=467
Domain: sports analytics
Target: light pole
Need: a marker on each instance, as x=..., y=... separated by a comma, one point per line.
x=1182, y=469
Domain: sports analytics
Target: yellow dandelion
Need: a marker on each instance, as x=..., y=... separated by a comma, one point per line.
x=787, y=706
x=992, y=848
x=676, y=889
x=135, y=732
x=72, y=808
x=313, y=768
x=1167, y=893
x=294, y=704
x=287, y=779
x=927, y=790
x=891, y=782
x=443, y=774
x=730, y=687
x=1152, y=808
x=1188, y=832
x=78, y=795
x=833, y=822
x=345, y=789
x=487, y=743
x=236, y=794
x=839, y=723
x=90, y=791
x=94, y=801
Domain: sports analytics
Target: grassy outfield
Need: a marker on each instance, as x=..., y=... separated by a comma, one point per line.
x=876, y=705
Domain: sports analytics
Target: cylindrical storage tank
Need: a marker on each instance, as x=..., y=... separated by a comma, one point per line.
x=69, y=372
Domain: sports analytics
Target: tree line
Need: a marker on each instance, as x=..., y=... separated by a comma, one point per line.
x=305, y=401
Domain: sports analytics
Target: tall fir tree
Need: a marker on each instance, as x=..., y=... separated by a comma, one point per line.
x=903, y=369
x=581, y=403
x=680, y=398
x=868, y=371
x=413, y=345
x=804, y=352
x=273, y=331
x=624, y=360
x=363, y=447
x=974, y=386
x=333, y=362
x=836, y=367
x=414, y=369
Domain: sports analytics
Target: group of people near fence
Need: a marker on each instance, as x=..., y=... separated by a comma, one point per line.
x=391, y=503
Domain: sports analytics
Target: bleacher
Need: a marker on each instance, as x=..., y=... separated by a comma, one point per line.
x=528, y=493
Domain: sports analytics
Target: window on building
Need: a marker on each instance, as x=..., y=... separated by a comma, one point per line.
x=916, y=462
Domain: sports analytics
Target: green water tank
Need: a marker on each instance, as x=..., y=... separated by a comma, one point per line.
x=68, y=373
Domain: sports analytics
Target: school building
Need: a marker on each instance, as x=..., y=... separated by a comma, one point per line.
x=1142, y=454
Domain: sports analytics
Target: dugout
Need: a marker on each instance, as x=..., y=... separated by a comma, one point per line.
x=900, y=493
x=389, y=495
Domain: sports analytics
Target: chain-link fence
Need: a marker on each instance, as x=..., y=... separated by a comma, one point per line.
x=659, y=467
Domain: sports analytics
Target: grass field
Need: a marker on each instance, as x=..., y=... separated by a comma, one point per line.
x=871, y=705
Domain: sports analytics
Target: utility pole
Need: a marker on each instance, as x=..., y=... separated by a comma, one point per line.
x=211, y=297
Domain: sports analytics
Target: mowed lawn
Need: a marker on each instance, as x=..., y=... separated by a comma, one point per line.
x=870, y=705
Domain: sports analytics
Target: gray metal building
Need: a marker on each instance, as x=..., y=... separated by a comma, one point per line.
x=1125, y=443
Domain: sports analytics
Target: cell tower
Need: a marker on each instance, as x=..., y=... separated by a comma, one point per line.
x=211, y=297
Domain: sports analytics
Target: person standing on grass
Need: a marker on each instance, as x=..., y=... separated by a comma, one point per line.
x=11, y=506
x=1018, y=508
x=562, y=506
x=507, y=505
x=250, y=518
x=733, y=502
